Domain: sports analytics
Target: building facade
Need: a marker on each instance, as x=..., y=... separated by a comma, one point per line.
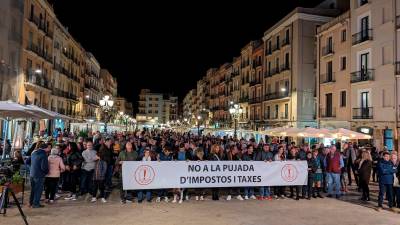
x=155, y=108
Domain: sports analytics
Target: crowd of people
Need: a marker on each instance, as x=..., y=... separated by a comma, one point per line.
x=90, y=168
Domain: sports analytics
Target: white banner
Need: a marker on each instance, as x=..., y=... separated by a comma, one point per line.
x=206, y=174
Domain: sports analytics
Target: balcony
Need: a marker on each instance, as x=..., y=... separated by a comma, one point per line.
x=363, y=2
x=40, y=52
x=244, y=99
x=235, y=73
x=91, y=102
x=255, y=82
x=285, y=42
x=275, y=47
x=255, y=100
x=327, y=50
x=276, y=95
x=327, y=112
x=397, y=68
x=327, y=78
x=285, y=67
x=284, y=116
x=363, y=113
x=272, y=72
x=362, y=75
x=268, y=51
x=37, y=79
x=362, y=36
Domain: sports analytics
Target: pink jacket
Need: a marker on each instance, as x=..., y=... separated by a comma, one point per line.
x=56, y=166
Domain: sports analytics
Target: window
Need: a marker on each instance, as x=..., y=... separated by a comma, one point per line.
x=343, y=99
x=268, y=112
x=388, y=138
x=277, y=42
x=287, y=36
x=343, y=35
x=329, y=71
x=328, y=105
x=277, y=64
x=343, y=62
x=286, y=110
x=287, y=61
x=276, y=111
x=330, y=44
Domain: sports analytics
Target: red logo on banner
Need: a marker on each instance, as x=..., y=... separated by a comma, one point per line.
x=144, y=175
x=289, y=173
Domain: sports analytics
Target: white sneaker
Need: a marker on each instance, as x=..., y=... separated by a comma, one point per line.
x=197, y=198
x=239, y=197
x=93, y=200
x=229, y=197
x=51, y=201
x=180, y=201
x=187, y=197
x=201, y=198
x=166, y=199
x=103, y=200
x=174, y=201
x=71, y=197
x=128, y=201
x=158, y=199
x=57, y=196
x=246, y=198
x=253, y=197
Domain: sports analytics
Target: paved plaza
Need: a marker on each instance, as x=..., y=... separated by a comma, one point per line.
x=346, y=211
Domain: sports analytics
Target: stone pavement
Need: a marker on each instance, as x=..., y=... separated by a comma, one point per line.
x=327, y=211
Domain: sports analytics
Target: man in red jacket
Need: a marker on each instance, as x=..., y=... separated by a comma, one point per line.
x=333, y=164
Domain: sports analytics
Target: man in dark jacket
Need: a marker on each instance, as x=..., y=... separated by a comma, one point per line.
x=106, y=154
x=386, y=170
x=39, y=169
x=351, y=156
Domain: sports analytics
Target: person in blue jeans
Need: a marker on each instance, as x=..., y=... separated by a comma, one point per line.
x=39, y=169
x=386, y=170
x=165, y=155
x=265, y=155
x=249, y=156
x=146, y=158
x=333, y=164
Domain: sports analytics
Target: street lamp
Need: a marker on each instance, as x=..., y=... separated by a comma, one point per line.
x=106, y=105
x=235, y=110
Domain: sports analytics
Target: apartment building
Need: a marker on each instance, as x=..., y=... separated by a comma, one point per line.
x=255, y=88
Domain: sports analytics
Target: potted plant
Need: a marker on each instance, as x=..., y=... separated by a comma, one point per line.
x=17, y=183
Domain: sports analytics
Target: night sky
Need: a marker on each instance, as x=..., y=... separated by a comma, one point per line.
x=168, y=49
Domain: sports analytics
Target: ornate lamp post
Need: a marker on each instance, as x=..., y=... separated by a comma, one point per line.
x=106, y=105
x=235, y=110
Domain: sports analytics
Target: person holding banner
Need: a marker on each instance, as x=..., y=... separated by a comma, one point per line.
x=199, y=156
x=265, y=155
x=233, y=155
x=249, y=156
x=165, y=155
x=146, y=158
x=279, y=191
x=182, y=155
x=215, y=155
x=293, y=155
x=129, y=154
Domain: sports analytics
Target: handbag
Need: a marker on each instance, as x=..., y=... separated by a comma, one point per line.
x=396, y=181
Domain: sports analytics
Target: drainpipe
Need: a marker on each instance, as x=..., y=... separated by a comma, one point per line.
x=291, y=73
x=396, y=140
x=317, y=80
